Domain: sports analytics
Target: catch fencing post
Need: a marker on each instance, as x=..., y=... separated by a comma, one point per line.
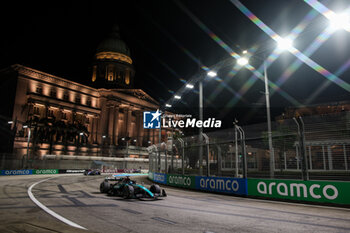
x=183, y=154
x=208, y=161
x=244, y=152
x=302, y=148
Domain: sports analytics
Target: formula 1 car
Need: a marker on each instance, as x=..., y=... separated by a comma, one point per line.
x=92, y=172
x=127, y=188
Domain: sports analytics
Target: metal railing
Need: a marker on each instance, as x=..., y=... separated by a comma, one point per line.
x=308, y=148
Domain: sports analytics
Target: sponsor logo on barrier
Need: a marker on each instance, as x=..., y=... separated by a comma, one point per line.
x=75, y=171
x=16, y=172
x=298, y=189
x=159, y=177
x=46, y=171
x=181, y=181
x=315, y=191
x=64, y=171
x=221, y=184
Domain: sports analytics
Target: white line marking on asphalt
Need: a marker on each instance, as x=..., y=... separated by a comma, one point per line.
x=47, y=210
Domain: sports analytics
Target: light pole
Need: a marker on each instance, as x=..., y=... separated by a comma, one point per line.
x=282, y=44
x=242, y=61
x=211, y=74
x=268, y=114
x=200, y=137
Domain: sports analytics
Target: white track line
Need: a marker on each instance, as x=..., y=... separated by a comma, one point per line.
x=47, y=210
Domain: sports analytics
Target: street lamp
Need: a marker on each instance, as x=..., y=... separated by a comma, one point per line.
x=282, y=44
x=168, y=105
x=211, y=74
x=340, y=21
x=242, y=61
x=189, y=86
x=177, y=97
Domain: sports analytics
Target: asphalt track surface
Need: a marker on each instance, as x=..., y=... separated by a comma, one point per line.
x=77, y=198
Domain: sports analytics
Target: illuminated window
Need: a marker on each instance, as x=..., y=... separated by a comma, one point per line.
x=127, y=78
x=64, y=116
x=110, y=73
x=50, y=113
x=36, y=111
x=77, y=99
x=66, y=96
x=53, y=93
x=39, y=89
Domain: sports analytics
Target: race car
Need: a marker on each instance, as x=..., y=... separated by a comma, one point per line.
x=91, y=172
x=127, y=188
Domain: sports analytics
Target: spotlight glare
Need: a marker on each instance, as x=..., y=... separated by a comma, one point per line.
x=284, y=43
x=340, y=21
x=211, y=74
x=242, y=61
x=190, y=86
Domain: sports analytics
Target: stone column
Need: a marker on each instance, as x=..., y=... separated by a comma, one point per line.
x=140, y=128
x=93, y=132
x=125, y=122
x=116, y=129
x=103, y=122
x=111, y=124
x=137, y=129
x=128, y=121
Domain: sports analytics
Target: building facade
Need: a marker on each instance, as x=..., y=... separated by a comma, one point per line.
x=63, y=117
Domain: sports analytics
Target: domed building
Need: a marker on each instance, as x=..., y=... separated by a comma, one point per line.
x=66, y=118
x=113, y=67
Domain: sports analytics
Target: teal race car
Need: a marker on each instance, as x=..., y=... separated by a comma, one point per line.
x=127, y=188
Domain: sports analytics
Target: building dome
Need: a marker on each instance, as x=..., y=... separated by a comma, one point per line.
x=113, y=43
x=113, y=67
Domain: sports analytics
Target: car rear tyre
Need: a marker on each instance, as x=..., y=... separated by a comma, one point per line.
x=128, y=191
x=104, y=187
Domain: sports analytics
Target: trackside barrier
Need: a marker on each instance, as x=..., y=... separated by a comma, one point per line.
x=313, y=191
x=16, y=172
x=181, y=181
x=33, y=172
x=237, y=186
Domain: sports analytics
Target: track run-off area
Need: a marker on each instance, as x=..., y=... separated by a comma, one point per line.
x=53, y=203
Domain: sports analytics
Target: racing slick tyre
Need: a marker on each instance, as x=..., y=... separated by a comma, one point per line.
x=155, y=188
x=128, y=191
x=104, y=187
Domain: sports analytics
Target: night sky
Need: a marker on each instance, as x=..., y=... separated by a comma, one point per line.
x=168, y=41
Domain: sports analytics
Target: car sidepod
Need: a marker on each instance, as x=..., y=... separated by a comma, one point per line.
x=143, y=192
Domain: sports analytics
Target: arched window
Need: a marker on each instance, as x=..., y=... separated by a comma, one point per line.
x=127, y=77
x=110, y=73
